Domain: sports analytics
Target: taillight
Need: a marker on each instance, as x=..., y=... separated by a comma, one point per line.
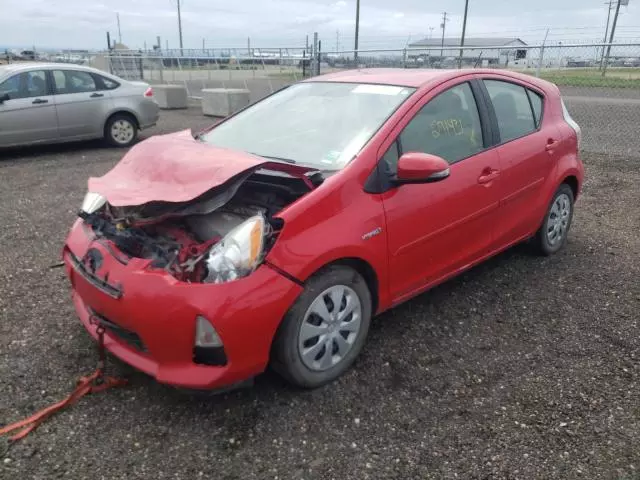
x=148, y=92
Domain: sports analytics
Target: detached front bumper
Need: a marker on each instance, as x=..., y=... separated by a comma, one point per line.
x=153, y=315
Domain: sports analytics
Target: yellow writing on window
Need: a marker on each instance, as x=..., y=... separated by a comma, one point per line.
x=448, y=127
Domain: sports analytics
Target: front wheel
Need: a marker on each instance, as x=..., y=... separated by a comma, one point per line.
x=121, y=130
x=552, y=235
x=325, y=329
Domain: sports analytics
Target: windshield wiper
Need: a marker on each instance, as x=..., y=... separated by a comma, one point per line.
x=280, y=159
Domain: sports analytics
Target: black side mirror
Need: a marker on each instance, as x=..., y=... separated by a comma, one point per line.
x=4, y=98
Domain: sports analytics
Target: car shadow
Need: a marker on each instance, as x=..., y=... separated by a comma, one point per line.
x=35, y=152
x=269, y=385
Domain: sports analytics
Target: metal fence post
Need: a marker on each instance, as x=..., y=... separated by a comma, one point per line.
x=542, y=53
x=314, y=55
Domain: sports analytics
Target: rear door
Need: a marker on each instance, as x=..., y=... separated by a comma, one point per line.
x=526, y=147
x=436, y=229
x=82, y=103
x=29, y=116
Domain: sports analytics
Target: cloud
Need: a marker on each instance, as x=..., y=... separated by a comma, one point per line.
x=82, y=24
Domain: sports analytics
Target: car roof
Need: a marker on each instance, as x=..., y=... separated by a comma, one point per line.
x=26, y=66
x=410, y=77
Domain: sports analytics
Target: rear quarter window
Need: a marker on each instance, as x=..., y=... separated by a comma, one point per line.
x=536, y=105
x=105, y=83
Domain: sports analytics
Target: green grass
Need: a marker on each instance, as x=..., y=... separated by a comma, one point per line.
x=286, y=75
x=574, y=77
x=615, y=78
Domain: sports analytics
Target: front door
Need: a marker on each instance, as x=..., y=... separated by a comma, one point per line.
x=29, y=115
x=82, y=107
x=436, y=229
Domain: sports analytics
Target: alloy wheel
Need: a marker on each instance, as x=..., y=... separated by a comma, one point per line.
x=122, y=131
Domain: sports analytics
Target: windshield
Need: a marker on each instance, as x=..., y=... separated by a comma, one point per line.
x=321, y=125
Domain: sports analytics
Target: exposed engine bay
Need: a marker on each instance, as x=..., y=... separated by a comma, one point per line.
x=195, y=241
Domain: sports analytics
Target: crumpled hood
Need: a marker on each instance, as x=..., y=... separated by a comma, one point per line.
x=176, y=168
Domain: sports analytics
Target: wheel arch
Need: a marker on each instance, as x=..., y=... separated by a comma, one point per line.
x=573, y=182
x=365, y=269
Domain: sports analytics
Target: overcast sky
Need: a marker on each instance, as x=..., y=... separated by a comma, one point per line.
x=83, y=23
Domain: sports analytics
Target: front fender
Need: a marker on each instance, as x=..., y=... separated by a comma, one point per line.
x=330, y=230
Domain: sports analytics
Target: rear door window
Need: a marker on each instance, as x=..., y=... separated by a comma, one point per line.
x=73, y=81
x=513, y=109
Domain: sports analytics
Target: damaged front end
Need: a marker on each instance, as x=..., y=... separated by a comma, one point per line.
x=217, y=237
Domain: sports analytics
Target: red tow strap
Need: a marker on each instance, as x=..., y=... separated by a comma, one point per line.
x=94, y=383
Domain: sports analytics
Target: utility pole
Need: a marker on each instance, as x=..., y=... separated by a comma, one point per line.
x=203, y=44
x=355, y=54
x=249, y=45
x=443, y=26
x=179, y=26
x=337, y=40
x=606, y=31
x=464, y=31
x=431, y=32
x=119, y=32
x=613, y=32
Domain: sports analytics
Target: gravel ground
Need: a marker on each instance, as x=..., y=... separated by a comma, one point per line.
x=522, y=368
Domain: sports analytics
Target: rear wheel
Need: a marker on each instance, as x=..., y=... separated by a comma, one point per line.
x=325, y=330
x=553, y=233
x=121, y=130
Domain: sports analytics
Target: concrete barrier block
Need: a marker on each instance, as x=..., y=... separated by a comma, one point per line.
x=222, y=102
x=170, y=96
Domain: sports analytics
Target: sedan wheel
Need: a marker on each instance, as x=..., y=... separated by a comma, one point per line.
x=325, y=330
x=121, y=130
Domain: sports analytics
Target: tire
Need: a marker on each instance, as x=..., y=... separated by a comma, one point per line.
x=121, y=130
x=553, y=232
x=302, y=320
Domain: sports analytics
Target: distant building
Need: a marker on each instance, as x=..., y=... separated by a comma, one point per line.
x=505, y=50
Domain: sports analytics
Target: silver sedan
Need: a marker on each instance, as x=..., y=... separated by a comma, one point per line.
x=49, y=103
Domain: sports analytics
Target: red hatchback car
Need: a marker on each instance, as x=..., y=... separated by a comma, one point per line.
x=275, y=236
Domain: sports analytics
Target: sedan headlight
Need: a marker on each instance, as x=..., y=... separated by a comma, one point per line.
x=92, y=202
x=238, y=253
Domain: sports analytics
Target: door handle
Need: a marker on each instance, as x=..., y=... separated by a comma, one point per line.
x=551, y=144
x=96, y=95
x=488, y=176
x=39, y=100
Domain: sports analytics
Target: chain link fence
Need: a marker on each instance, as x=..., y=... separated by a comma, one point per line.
x=599, y=82
x=261, y=70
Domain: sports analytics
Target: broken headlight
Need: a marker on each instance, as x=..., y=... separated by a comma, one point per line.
x=238, y=253
x=92, y=202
